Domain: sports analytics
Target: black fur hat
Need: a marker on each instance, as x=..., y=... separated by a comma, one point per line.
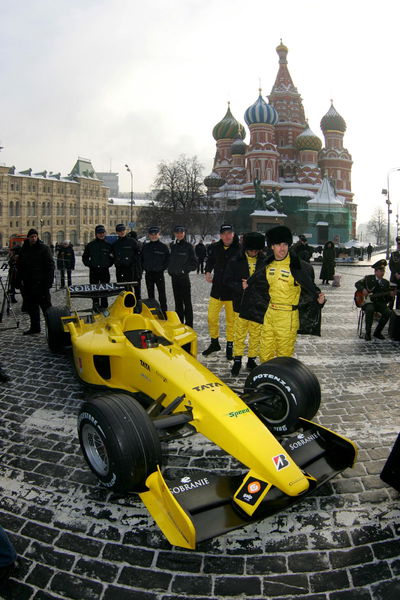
x=253, y=241
x=278, y=235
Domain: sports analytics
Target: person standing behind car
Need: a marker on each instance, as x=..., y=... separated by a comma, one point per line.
x=98, y=257
x=35, y=274
x=65, y=262
x=181, y=261
x=201, y=253
x=155, y=257
x=127, y=258
x=221, y=296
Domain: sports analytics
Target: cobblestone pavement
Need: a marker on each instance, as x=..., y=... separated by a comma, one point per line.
x=78, y=542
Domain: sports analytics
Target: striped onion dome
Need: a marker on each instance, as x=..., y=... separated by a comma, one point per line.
x=307, y=140
x=261, y=112
x=238, y=147
x=229, y=127
x=214, y=180
x=332, y=121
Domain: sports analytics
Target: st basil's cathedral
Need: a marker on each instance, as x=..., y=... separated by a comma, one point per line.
x=284, y=174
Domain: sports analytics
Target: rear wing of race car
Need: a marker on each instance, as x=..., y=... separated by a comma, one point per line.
x=97, y=290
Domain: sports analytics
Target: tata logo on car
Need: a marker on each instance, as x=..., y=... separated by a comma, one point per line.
x=145, y=365
x=206, y=386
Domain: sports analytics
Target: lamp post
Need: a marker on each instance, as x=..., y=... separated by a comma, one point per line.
x=389, y=210
x=131, y=174
x=41, y=228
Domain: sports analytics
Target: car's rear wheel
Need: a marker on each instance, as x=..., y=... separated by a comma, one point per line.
x=119, y=441
x=290, y=391
x=57, y=338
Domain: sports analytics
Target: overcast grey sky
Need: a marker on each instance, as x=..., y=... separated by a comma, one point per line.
x=138, y=82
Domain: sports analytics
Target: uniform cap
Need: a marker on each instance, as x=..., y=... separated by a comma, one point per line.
x=253, y=241
x=225, y=227
x=120, y=227
x=154, y=229
x=278, y=235
x=100, y=229
x=380, y=264
x=178, y=228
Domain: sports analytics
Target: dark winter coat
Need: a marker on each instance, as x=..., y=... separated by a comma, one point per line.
x=217, y=262
x=200, y=251
x=155, y=256
x=98, y=254
x=182, y=258
x=309, y=308
x=236, y=270
x=35, y=267
x=394, y=266
x=328, y=263
x=66, y=258
x=127, y=254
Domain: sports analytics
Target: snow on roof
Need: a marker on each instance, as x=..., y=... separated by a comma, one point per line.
x=267, y=213
x=298, y=192
x=127, y=201
x=326, y=194
x=322, y=223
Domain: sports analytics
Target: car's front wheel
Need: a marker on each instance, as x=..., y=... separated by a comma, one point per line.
x=287, y=390
x=119, y=441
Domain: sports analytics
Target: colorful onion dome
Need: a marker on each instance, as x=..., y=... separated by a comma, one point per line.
x=229, y=128
x=282, y=51
x=238, y=147
x=307, y=140
x=261, y=112
x=332, y=121
x=214, y=180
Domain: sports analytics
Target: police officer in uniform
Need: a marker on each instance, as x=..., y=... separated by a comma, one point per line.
x=155, y=257
x=377, y=293
x=127, y=258
x=98, y=256
x=181, y=261
x=221, y=295
x=394, y=266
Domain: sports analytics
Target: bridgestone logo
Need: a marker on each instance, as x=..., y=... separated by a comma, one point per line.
x=88, y=417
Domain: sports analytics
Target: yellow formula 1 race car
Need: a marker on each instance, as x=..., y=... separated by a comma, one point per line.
x=150, y=387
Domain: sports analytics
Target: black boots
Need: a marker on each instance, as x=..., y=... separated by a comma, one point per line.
x=237, y=364
x=378, y=334
x=213, y=347
x=368, y=335
x=3, y=376
x=251, y=363
x=229, y=350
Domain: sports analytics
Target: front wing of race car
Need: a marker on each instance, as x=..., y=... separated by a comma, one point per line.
x=201, y=505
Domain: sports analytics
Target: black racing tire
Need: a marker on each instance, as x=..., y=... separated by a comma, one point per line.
x=294, y=392
x=57, y=338
x=119, y=441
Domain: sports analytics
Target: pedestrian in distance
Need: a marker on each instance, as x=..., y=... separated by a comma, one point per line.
x=220, y=254
x=328, y=263
x=65, y=262
x=35, y=275
x=128, y=260
x=98, y=256
x=155, y=258
x=369, y=251
x=182, y=260
x=201, y=254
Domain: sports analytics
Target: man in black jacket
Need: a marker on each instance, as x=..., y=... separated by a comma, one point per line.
x=221, y=296
x=155, y=257
x=201, y=253
x=127, y=258
x=35, y=274
x=394, y=266
x=377, y=293
x=65, y=262
x=98, y=256
x=181, y=261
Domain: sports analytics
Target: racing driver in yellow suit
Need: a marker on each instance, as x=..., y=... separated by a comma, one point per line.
x=287, y=277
